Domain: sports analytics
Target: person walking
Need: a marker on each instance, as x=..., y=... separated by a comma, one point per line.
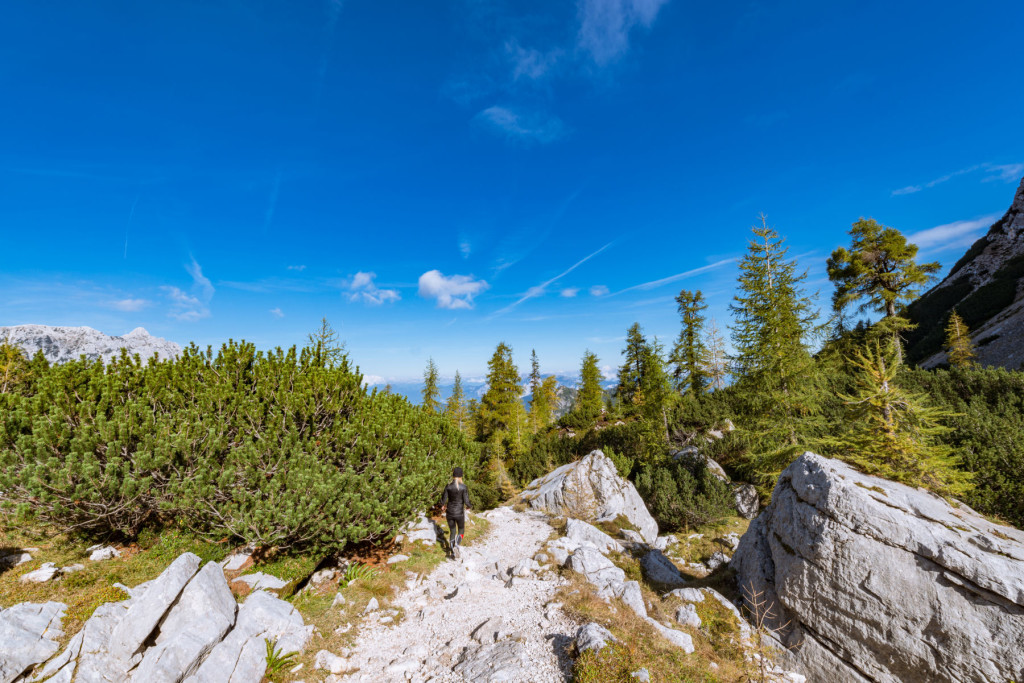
x=455, y=502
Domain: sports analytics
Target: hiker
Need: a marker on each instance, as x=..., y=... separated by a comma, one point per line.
x=455, y=502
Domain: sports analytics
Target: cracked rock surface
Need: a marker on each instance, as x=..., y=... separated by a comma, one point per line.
x=882, y=582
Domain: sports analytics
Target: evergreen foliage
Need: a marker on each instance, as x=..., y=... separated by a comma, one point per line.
x=500, y=408
x=431, y=393
x=326, y=350
x=631, y=373
x=655, y=386
x=958, y=343
x=545, y=400
x=689, y=355
x=455, y=408
x=588, y=399
x=683, y=494
x=714, y=362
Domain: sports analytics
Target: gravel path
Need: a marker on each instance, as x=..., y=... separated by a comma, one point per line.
x=434, y=641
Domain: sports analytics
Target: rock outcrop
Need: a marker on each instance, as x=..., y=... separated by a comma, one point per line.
x=29, y=634
x=881, y=582
x=592, y=490
x=182, y=626
x=62, y=344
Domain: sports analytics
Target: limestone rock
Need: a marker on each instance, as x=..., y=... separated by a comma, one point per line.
x=687, y=615
x=747, y=502
x=423, y=530
x=594, y=637
x=681, y=640
x=328, y=661
x=596, y=568
x=581, y=532
x=591, y=489
x=687, y=594
x=692, y=454
x=883, y=582
x=631, y=595
x=503, y=661
x=659, y=569
x=28, y=636
x=394, y=559
x=260, y=581
x=98, y=553
x=14, y=559
x=488, y=631
x=236, y=561
x=525, y=567
x=45, y=573
x=717, y=559
x=641, y=675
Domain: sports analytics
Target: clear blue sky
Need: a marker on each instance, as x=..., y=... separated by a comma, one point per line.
x=435, y=177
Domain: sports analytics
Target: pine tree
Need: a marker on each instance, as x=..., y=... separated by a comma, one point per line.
x=958, y=343
x=880, y=271
x=714, y=362
x=774, y=370
x=455, y=408
x=431, y=393
x=501, y=407
x=588, y=398
x=326, y=349
x=13, y=367
x=632, y=369
x=688, y=371
x=895, y=433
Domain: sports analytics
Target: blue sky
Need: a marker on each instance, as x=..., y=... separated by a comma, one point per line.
x=438, y=177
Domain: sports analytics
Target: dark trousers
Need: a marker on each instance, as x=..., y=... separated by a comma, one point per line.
x=454, y=522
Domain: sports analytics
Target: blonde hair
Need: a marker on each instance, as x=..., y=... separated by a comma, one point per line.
x=458, y=480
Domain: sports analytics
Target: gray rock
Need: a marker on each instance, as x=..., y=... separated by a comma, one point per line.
x=371, y=606
x=558, y=555
x=394, y=559
x=71, y=569
x=596, y=568
x=488, y=631
x=687, y=594
x=98, y=553
x=582, y=533
x=883, y=582
x=635, y=538
x=692, y=454
x=194, y=625
x=659, y=569
x=641, y=675
x=322, y=576
x=45, y=573
x=687, y=615
x=235, y=561
x=147, y=611
x=591, y=489
x=62, y=344
x=630, y=594
x=330, y=662
x=594, y=637
x=747, y=502
x=260, y=581
x=14, y=559
x=241, y=656
x=29, y=633
x=717, y=559
x=423, y=530
x=503, y=661
x=525, y=567
x=681, y=640
x=86, y=654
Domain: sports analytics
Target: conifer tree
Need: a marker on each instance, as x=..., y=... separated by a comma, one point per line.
x=535, y=398
x=714, y=362
x=894, y=433
x=655, y=386
x=688, y=370
x=879, y=270
x=958, y=343
x=501, y=407
x=632, y=369
x=326, y=348
x=548, y=397
x=13, y=367
x=431, y=393
x=588, y=399
x=773, y=365
x=455, y=408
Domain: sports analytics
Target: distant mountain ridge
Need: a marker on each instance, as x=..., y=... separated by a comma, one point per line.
x=986, y=287
x=63, y=344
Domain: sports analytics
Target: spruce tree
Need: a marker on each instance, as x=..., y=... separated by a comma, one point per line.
x=895, y=433
x=631, y=372
x=688, y=370
x=588, y=398
x=774, y=370
x=880, y=271
x=655, y=386
x=714, y=361
x=501, y=407
x=455, y=408
x=958, y=343
x=535, y=398
x=431, y=393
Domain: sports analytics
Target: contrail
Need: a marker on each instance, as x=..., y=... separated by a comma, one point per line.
x=131, y=215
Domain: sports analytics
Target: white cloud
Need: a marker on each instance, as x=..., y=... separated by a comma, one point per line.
x=298, y=268
x=190, y=307
x=530, y=63
x=277, y=312
x=995, y=172
x=678, y=276
x=362, y=288
x=1007, y=173
x=598, y=290
x=539, y=290
x=950, y=235
x=528, y=127
x=450, y=291
x=569, y=292
x=370, y=380
x=465, y=248
x=130, y=305
x=605, y=25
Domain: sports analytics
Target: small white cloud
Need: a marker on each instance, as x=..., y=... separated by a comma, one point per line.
x=1006, y=173
x=362, y=288
x=950, y=235
x=909, y=189
x=130, y=305
x=277, y=312
x=450, y=291
x=529, y=63
x=465, y=248
x=371, y=380
x=201, y=284
x=298, y=268
x=598, y=290
x=190, y=307
x=605, y=25
x=528, y=127
x=569, y=292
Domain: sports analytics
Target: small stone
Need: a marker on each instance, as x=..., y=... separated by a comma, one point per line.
x=687, y=594
x=98, y=554
x=322, y=576
x=394, y=559
x=14, y=559
x=642, y=675
x=261, y=581
x=594, y=637
x=48, y=571
x=339, y=600
x=328, y=661
x=719, y=559
x=72, y=568
x=371, y=606
x=687, y=616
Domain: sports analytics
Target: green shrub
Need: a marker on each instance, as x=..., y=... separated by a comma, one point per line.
x=683, y=494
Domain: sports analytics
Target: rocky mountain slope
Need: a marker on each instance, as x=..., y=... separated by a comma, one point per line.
x=986, y=286
x=62, y=344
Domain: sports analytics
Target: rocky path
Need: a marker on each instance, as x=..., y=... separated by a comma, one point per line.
x=468, y=621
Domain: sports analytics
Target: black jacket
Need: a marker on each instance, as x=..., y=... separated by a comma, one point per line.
x=456, y=498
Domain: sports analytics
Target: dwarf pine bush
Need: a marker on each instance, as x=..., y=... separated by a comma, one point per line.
x=278, y=449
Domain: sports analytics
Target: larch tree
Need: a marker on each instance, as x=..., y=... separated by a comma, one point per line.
x=548, y=399
x=455, y=408
x=687, y=368
x=772, y=361
x=326, y=348
x=714, y=361
x=880, y=272
x=631, y=373
x=958, y=343
x=431, y=392
x=588, y=399
x=501, y=407
x=655, y=386
x=536, y=400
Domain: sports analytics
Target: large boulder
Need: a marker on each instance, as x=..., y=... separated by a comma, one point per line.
x=28, y=635
x=870, y=580
x=592, y=490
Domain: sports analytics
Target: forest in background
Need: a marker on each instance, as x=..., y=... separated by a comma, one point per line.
x=288, y=451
